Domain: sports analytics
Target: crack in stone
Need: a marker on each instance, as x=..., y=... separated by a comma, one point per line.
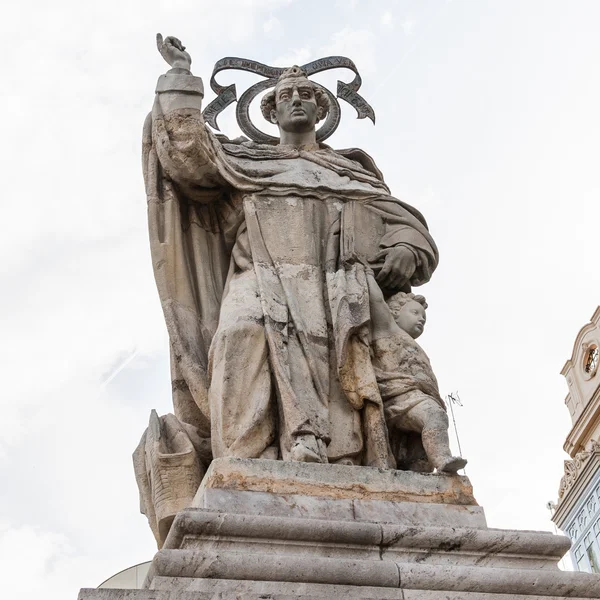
x=399, y=579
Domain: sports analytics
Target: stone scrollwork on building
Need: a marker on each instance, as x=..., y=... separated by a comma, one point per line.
x=573, y=468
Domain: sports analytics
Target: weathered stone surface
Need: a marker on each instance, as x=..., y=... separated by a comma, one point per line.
x=169, y=466
x=236, y=554
x=271, y=567
x=202, y=530
x=344, y=509
x=258, y=590
x=335, y=481
x=387, y=574
x=255, y=590
x=268, y=588
x=309, y=590
x=230, y=556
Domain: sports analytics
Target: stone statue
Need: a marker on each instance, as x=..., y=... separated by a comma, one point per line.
x=271, y=262
x=285, y=271
x=407, y=384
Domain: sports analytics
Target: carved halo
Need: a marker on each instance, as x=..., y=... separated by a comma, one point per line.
x=254, y=133
x=227, y=95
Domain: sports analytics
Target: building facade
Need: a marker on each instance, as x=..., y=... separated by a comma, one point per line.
x=577, y=512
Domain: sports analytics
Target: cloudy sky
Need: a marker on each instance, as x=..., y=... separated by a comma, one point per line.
x=487, y=121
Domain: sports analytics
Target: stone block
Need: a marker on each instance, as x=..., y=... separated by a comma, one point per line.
x=258, y=590
x=344, y=509
x=270, y=589
x=219, y=533
x=335, y=482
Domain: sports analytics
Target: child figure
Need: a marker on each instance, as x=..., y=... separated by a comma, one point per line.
x=408, y=387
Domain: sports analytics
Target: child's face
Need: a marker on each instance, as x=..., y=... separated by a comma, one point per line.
x=412, y=318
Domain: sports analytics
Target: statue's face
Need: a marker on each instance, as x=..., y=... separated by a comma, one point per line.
x=412, y=318
x=296, y=109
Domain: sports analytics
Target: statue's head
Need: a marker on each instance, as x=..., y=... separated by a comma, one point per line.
x=409, y=312
x=296, y=104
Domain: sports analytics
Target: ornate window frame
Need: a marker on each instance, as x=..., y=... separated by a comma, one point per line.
x=588, y=347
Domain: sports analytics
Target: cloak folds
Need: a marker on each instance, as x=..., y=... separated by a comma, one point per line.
x=209, y=200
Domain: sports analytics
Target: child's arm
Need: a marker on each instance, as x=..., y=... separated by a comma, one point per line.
x=382, y=320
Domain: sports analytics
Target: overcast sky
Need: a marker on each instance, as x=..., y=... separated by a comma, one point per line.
x=488, y=121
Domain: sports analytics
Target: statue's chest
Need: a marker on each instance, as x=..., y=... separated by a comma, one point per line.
x=292, y=228
x=315, y=177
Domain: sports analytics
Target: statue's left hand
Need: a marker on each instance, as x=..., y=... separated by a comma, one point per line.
x=399, y=266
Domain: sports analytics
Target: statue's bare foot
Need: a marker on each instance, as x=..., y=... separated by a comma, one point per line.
x=453, y=464
x=306, y=448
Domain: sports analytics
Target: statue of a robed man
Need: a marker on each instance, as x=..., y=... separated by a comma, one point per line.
x=277, y=264
x=268, y=293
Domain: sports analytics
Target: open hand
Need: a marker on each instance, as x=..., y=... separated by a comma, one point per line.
x=173, y=51
x=399, y=266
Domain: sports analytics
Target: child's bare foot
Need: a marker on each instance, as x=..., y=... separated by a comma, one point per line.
x=453, y=464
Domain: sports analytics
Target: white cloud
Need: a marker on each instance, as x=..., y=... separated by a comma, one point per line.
x=387, y=20
x=273, y=27
x=297, y=56
x=346, y=5
x=353, y=42
x=40, y=563
x=408, y=26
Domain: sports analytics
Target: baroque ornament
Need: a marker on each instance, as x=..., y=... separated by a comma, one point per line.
x=574, y=467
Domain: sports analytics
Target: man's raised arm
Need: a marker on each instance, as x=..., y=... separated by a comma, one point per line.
x=182, y=142
x=178, y=88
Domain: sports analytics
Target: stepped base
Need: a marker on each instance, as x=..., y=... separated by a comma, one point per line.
x=275, y=530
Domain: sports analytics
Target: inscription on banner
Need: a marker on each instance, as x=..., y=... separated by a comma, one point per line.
x=226, y=95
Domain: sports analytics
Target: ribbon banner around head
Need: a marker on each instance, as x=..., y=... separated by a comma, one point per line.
x=226, y=95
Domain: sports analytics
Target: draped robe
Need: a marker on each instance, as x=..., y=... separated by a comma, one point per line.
x=269, y=328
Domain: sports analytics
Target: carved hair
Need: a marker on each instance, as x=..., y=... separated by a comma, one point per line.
x=399, y=300
x=267, y=104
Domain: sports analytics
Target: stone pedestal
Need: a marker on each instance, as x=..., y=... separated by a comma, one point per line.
x=278, y=530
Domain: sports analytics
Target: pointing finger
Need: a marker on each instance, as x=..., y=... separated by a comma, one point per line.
x=162, y=46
